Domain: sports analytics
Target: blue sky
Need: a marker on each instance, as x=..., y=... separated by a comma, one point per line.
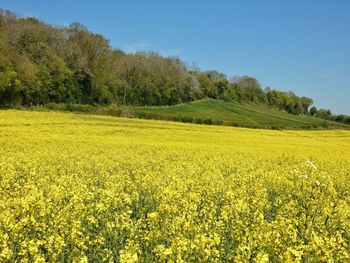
x=298, y=45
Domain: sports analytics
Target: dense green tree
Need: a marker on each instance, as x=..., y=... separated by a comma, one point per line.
x=89, y=57
x=10, y=88
x=313, y=111
x=306, y=103
x=288, y=101
x=10, y=85
x=149, y=79
x=341, y=118
x=325, y=114
x=212, y=84
x=249, y=89
x=40, y=63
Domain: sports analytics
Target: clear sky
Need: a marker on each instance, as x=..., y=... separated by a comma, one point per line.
x=298, y=45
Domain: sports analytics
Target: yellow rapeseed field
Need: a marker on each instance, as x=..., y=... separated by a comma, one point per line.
x=82, y=188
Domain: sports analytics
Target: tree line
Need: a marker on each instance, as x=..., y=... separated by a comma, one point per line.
x=40, y=63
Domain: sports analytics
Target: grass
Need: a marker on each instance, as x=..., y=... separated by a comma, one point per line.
x=209, y=111
x=234, y=114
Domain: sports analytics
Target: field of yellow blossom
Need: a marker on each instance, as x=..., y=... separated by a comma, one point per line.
x=83, y=188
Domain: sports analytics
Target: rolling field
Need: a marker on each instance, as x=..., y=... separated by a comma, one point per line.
x=236, y=114
x=85, y=188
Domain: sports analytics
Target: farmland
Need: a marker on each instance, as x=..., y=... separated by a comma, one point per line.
x=210, y=111
x=81, y=188
x=234, y=114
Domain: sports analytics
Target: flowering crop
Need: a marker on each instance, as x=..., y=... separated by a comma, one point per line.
x=79, y=188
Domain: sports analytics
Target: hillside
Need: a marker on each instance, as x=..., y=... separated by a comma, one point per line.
x=42, y=64
x=211, y=111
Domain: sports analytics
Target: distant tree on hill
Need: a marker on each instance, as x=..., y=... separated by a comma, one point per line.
x=325, y=114
x=306, y=103
x=249, y=89
x=40, y=64
x=313, y=111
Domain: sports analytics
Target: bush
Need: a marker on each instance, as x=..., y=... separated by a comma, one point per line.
x=186, y=119
x=208, y=121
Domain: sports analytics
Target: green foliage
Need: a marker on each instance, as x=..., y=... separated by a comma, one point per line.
x=249, y=90
x=234, y=114
x=9, y=88
x=313, y=111
x=343, y=118
x=149, y=79
x=210, y=112
x=41, y=64
x=324, y=114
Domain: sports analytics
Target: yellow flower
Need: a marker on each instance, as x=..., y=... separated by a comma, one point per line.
x=78, y=187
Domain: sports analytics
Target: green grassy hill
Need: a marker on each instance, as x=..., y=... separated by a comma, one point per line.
x=211, y=111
